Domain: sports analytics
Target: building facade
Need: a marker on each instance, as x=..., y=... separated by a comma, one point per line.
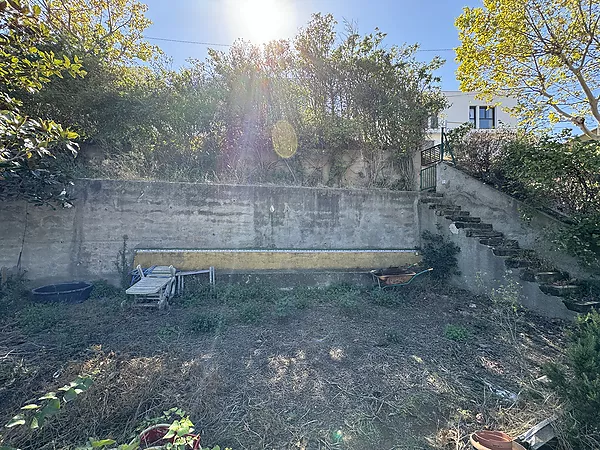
x=464, y=108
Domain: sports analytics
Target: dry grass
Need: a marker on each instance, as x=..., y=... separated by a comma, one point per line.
x=323, y=369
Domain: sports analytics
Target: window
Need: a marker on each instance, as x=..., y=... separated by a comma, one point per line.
x=487, y=117
x=472, y=114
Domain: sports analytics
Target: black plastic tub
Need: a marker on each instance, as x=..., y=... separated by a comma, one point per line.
x=74, y=292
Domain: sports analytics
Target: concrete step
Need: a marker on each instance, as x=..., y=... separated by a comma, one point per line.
x=450, y=211
x=483, y=234
x=459, y=218
x=512, y=252
x=433, y=200
x=499, y=242
x=550, y=277
x=443, y=204
x=474, y=226
x=516, y=263
x=567, y=290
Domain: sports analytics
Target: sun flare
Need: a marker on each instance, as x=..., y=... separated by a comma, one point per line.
x=264, y=20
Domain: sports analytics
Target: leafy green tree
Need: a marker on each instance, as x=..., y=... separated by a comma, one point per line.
x=26, y=143
x=544, y=53
x=110, y=29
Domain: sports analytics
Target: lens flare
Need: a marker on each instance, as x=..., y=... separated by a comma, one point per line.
x=285, y=140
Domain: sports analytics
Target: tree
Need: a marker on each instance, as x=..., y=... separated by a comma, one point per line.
x=544, y=53
x=110, y=29
x=26, y=143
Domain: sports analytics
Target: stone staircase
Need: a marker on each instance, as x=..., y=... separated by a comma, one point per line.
x=531, y=268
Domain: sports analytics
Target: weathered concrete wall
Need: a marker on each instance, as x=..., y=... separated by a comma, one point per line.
x=532, y=228
x=482, y=272
x=83, y=242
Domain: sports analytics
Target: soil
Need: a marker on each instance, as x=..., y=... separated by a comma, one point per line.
x=342, y=368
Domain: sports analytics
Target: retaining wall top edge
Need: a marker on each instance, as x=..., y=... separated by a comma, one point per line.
x=279, y=186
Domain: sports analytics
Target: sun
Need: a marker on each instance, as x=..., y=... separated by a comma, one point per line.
x=262, y=21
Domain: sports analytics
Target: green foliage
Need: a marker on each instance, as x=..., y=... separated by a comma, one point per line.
x=441, y=255
x=285, y=306
x=27, y=144
x=561, y=176
x=34, y=414
x=40, y=317
x=578, y=383
x=543, y=53
x=104, y=290
x=345, y=98
x=251, y=312
x=456, y=333
x=206, y=323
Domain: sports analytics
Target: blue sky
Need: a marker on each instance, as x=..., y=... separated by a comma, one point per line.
x=430, y=23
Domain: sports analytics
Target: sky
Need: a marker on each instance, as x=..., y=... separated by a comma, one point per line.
x=428, y=23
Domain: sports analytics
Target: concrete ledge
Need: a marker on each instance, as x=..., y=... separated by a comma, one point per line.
x=232, y=260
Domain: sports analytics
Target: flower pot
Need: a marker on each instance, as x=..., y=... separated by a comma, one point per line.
x=494, y=440
x=152, y=438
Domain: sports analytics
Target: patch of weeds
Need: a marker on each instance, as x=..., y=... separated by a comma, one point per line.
x=303, y=297
x=251, y=312
x=393, y=337
x=206, y=323
x=102, y=289
x=285, y=306
x=12, y=293
x=507, y=308
x=348, y=302
x=386, y=297
x=168, y=332
x=456, y=333
x=236, y=294
x=196, y=294
x=39, y=317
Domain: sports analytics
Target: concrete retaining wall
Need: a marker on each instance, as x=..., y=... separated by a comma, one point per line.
x=83, y=242
x=532, y=228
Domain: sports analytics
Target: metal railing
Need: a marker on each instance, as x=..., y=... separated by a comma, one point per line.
x=430, y=157
x=428, y=177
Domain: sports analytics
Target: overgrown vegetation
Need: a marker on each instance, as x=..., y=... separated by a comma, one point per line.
x=300, y=111
x=441, y=255
x=578, y=383
x=253, y=381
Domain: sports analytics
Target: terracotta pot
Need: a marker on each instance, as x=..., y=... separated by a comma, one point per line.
x=152, y=438
x=494, y=440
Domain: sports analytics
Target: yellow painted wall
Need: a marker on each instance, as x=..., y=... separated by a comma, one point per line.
x=280, y=260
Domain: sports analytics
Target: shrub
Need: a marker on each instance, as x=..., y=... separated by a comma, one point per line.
x=456, y=333
x=480, y=152
x=251, y=312
x=578, y=383
x=440, y=254
x=206, y=323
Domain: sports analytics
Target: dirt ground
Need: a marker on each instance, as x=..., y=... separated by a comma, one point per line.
x=260, y=368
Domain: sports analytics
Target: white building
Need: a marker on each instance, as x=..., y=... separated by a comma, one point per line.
x=464, y=108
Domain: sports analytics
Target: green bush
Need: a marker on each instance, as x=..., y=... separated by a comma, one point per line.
x=206, y=323
x=578, y=382
x=440, y=255
x=251, y=312
x=456, y=333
